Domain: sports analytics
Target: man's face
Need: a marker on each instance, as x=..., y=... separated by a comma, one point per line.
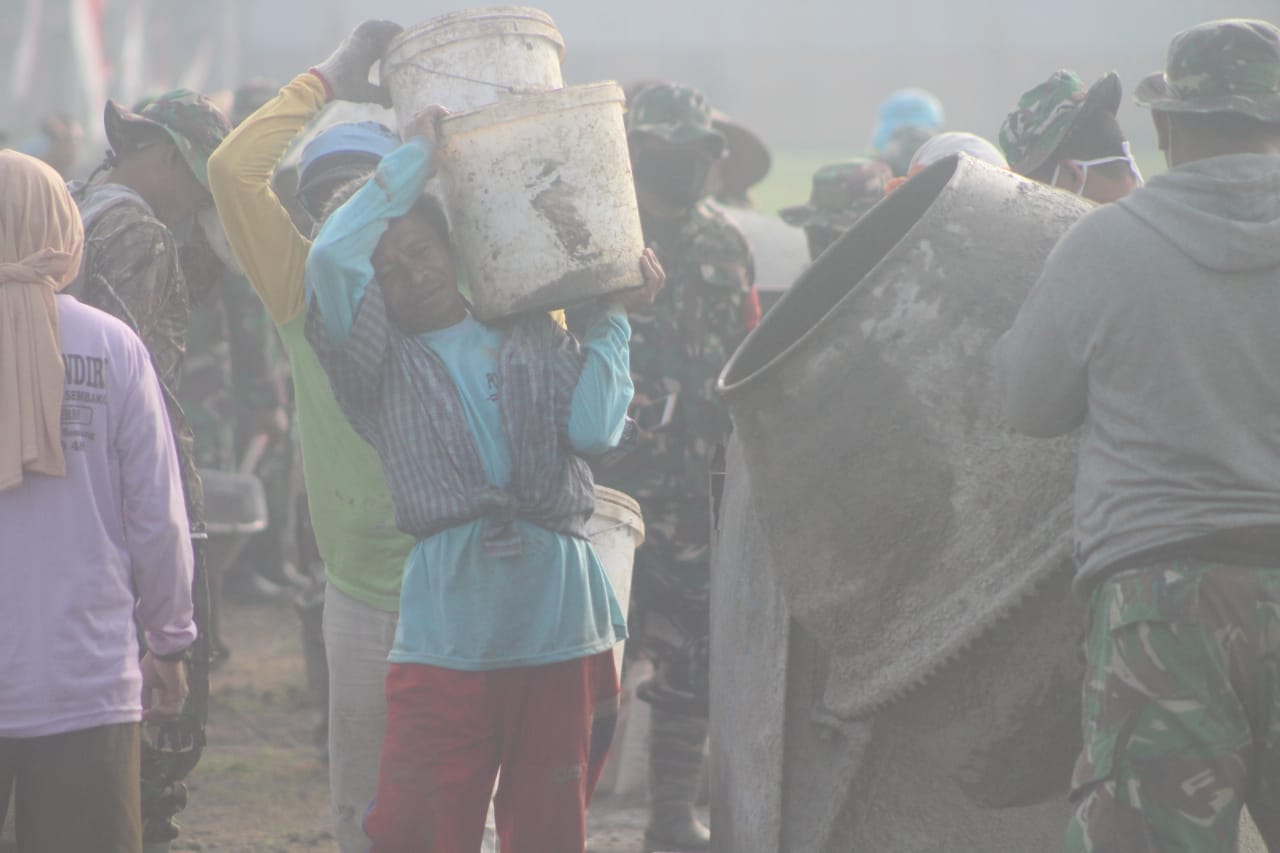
x=414, y=267
x=178, y=194
x=669, y=177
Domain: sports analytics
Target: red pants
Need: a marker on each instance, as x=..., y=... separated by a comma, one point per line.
x=448, y=732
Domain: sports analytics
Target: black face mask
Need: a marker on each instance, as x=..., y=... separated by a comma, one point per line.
x=677, y=177
x=819, y=238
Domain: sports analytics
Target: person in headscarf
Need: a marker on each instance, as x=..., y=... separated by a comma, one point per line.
x=94, y=541
x=946, y=145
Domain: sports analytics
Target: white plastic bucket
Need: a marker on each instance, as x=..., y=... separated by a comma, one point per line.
x=616, y=530
x=471, y=58
x=541, y=200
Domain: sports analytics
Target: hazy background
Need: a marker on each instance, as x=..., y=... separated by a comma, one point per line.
x=805, y=74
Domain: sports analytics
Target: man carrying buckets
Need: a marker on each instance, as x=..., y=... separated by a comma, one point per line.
x=503, y=652
x=677, y=351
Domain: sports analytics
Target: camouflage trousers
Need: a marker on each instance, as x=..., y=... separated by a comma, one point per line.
x=671, y=604
x=1181, y=711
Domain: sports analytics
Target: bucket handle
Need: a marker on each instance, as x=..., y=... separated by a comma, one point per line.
x=613, y=528
x=515, y=90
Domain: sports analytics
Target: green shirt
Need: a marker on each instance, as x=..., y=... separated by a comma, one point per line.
x=351, y=510
x=364, y=553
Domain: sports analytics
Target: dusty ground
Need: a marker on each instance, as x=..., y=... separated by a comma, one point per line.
x=262, y=786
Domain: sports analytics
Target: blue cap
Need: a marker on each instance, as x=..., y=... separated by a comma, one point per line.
x=361, y=143
x=906, y=108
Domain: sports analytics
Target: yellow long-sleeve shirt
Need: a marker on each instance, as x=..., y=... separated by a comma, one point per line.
x=364, y=553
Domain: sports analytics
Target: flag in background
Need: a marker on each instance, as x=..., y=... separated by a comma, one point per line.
x=28, y=52
x=91, y=62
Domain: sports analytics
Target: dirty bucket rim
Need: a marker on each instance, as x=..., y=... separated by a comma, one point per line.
x=957, y=166
x=543, y=26
x=628, y=512
x=531, y=105
x=617, y=497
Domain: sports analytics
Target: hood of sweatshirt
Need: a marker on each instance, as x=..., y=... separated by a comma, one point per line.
x=1223, y=212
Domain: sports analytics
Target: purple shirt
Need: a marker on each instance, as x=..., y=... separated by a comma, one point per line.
x=87, y=558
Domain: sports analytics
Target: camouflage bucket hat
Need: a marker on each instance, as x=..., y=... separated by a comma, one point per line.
x=1046, y=114
x=842, y=194
x=1230, y=66
x=675, y=114
x=192, y=121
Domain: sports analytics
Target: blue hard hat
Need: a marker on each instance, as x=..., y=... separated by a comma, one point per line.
x=342, y=149
x=907, y=108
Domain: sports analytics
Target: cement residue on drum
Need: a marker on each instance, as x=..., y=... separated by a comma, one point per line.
x=554, y=203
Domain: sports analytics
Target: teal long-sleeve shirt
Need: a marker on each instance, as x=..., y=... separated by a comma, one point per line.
x=459, y=607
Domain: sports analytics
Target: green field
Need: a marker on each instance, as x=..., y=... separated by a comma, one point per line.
x=790, y=179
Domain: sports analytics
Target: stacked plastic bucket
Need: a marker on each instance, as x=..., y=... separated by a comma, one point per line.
x=536, y=176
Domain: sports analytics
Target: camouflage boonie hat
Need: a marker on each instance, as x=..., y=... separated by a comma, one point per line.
x=902, y=146
x=1230, y=66
x=842, y=194
x=675, y=114
x=192, y=121
x=1045, y=115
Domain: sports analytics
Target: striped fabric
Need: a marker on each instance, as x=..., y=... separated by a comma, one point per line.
x=399, y=397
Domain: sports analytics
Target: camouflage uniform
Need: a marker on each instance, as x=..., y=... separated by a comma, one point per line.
x=132, y=270
x=1182, y=692
x=1033, y=133
x=1181, y=710
x=228, y=373
x=842, y=194
x=678, y=349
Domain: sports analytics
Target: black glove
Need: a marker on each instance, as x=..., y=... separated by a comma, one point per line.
x=347, y=70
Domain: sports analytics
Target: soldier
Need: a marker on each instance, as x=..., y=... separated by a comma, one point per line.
x=677, y=352
x=1066, y=136
x=153, y=180
x=1154, y=325
x=842, y=193
x=228, y=379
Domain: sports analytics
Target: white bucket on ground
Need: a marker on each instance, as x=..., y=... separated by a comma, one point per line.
x=616, y=530
x=471, y=58
x=541, y=199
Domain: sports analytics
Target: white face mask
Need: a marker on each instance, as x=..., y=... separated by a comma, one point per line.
x=1125, y=157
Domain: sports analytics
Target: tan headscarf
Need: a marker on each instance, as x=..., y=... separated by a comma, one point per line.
x=41, y=243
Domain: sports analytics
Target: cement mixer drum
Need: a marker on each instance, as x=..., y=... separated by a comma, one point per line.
x=904, y=518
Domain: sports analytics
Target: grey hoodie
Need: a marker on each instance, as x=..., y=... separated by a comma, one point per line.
x=1156, y=324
